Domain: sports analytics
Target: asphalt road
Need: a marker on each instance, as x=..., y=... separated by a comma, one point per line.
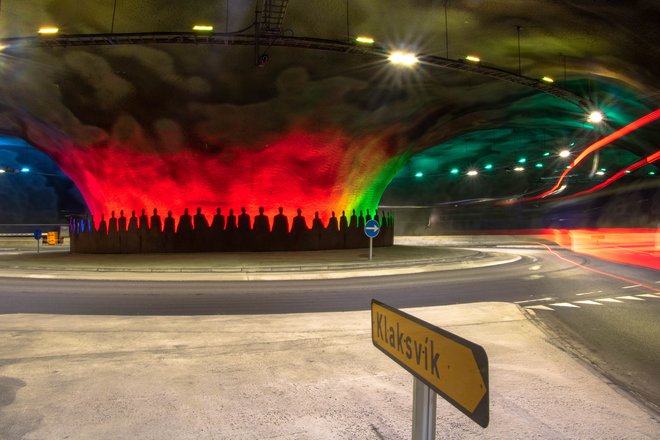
x=616, y=329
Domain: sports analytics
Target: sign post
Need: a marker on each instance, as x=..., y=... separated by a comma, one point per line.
x=441, y=362
x=371, y=230
x=37, y=236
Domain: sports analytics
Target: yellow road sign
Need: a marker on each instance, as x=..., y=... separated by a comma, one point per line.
x=453, y=367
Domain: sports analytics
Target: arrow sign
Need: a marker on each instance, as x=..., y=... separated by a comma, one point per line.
x=371, y=228
x=453, y=367
x=37, y=234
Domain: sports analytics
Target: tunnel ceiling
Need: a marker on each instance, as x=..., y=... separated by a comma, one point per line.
x=172, y=126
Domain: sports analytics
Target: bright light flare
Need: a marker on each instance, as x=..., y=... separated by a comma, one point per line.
x=25, y=170
x=595, y=117
x=403, y=58
x=364, y=39
x=473, y=58
x=2, y=171
x=564, y=153
x=472, y=173
x=419, y=174
x=202, y=28
x=519, y=169
x=547, y=79
x=48, y=30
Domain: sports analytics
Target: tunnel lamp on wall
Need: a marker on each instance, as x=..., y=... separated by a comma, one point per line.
x=403, y=58
x=522, y=160
x=202, y=28
x=488, y=166
x=600, y=173
x=25, y=170
x=2, y=171
x=539, y=165
x=48, y=30
x=546, y=154
x=419, y=174
x=362, y=39
x=472, y=173
x=473, y=58
x=651, y=173
x=547, y=79
x=595, y=117
x=519, y=169
x=564, y=153
x=454, y=171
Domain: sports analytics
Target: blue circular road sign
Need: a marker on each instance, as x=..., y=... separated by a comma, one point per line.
x=371, y=228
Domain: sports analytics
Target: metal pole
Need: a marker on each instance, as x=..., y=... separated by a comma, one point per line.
x=424, y=400
x=38, y=244
x=446, y=31
x=371, y=248
x=518, y=27
x=114, y=10
x=348, y=33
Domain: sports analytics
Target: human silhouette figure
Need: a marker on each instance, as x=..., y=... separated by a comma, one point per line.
x=200, y=222
x=243, y=222
x=103, y=227
x=168, y=226
x=218, y=223
x=185, y=223
x=133, y=223
x=231, y=221
x=261, y=223
x=112, y=224
x=121, y=223
x=317, y=224
x=280, y=223
x=333, y=225
x=368, y=216
x=360, y=220
x=156, y=226
x=376, y=217
x=298, y=225
x=144, y=222
x=343, y=222
x=354, y=221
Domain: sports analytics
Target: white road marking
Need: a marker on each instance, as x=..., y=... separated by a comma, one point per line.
x=533, y=300
x=632, y=287
x=609, y=300
x=593, y=303
x=649, y=295
x=588, y=293
x=540, y=307
x=566, y=305
x=40, y=276
x=535, y=267
x=631, y=297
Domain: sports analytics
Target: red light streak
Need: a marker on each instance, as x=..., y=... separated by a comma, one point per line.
x=627, y=280
x=593, y=147
x=647, y=160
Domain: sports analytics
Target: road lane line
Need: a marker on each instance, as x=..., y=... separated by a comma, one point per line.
x=588, y=301
x=588, y=293
x=534, y=300
x=632, y=287
x=540, y=307
x=631, y=298
x=649, y=295
x=566, y=305
x=609, y=300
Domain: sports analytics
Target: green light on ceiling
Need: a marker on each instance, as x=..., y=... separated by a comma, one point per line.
x=651, y=173
x=488, y=166
x=603, y=169
x=546, y=154
x=419, y=174
x=539, y=165
x=572, y=145
x=522, y=160
x=454, y=171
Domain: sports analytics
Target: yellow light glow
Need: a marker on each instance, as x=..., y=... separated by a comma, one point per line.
x=547, y=79
x=3, y=47
x=403, y=58
x=364, y=40
x=48, y=30
x=202, y=28
x=473, y=58
x=519, y=169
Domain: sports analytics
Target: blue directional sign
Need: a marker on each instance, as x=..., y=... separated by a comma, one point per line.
x=371, y=228
x=37, y=234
